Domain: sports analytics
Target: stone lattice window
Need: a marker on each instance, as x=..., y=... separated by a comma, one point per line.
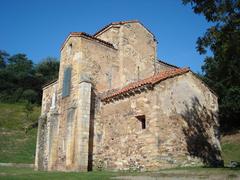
x=142, y=120
x=66, y=82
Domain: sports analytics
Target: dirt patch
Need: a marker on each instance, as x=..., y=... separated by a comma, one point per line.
x=164, y=176
x=233, y=138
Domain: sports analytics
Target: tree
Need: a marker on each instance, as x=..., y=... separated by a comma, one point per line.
x=221, y=71
x=21, y=80
x=20, y=64
x=19, y=71
x=3, y=57
x=47, y=69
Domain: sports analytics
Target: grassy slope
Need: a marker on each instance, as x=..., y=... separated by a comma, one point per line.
x=16, y=145
x=231, y=148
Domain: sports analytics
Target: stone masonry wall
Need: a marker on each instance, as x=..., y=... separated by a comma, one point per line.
x=48, y=92
x=160, y=67
x=67, y=107
x=111, y=35
x=46, y=129
x=136, y=50
x=65, y=144
x=178, y=131
x=100, y=64
x=119, y=140
x=188, y=115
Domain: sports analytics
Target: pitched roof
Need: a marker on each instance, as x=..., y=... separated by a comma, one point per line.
x=49, y=83
x=148, y=81
x=88, y=36
x=163, y=62
x=121, y=23
x=94, y=37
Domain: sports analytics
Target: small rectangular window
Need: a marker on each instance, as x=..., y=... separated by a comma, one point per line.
x=66, y=82
x=142, y=120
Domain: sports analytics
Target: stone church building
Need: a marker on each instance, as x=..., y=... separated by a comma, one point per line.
x=115, y=106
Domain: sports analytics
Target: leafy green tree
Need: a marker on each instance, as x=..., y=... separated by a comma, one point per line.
x=19, y=71
x=3, y=57
x=30, y=95
x=47, y=69
x=21, y=80
x=20, y=64
x=221, y=71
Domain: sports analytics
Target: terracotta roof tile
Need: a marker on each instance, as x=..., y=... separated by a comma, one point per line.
x=148, y=81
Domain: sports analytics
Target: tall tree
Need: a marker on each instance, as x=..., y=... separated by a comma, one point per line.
x=18, y=77
x=222, y=70
x=47, y=69
x=3, y=58
x=21, y=80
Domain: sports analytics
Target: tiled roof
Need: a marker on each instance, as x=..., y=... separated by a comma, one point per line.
x=88, y=36
x=121, y=23
x=148, y=81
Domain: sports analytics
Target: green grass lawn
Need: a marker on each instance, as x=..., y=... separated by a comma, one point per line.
x=14, y=117
x=28, y=173
x=231, y=148
x=201, y=173
x=17, y=146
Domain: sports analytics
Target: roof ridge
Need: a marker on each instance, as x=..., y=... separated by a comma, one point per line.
x=84, y=34
x=168, y=64
x=148, y=81
x=115, y=23
x=49, y=83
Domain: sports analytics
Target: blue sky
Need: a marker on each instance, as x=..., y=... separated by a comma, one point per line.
x=39, y=27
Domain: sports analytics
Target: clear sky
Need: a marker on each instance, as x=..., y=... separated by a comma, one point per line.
x=39, y=27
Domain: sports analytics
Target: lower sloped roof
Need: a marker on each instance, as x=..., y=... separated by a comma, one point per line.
x=148, y=81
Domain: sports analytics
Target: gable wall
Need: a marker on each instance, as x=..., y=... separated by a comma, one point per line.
x=136, y=50
x=189, y=118
x=89, y=61
x=111, y=35
x=101, y=64
x=182, y=128
x=160, y=67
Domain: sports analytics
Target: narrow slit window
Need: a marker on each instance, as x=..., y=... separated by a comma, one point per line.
x=70, y=47
x=66, y=82
x=142, y=120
